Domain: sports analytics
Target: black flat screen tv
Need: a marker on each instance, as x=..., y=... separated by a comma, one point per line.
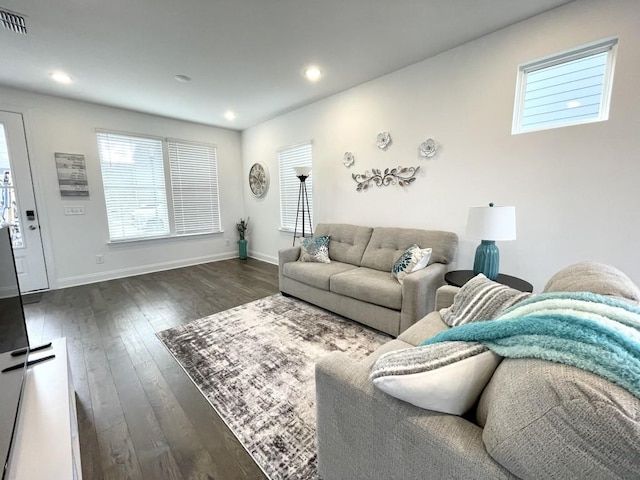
x=13, y=336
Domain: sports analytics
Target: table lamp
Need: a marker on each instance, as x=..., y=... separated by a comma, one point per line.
x=490, y=224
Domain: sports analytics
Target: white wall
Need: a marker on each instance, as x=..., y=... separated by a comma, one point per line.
x=574, y=188
x=72, y=242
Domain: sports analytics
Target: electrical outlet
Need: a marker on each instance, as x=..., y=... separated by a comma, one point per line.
x=99, y=259
x=227, y=242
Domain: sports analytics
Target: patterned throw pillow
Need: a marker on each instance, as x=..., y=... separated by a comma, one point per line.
x=414, y=259
x=480, y=299
x=444, y=377
x=315, y=249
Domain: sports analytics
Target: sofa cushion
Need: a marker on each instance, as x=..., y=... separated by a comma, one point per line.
x=348, y=242
x=369, y=285
x=315, y=274
x=480, y=299
x=595, y=278
x=315, y=249
x=412, y=260
x=547, y=420
x=445, y=377
x=387, y=244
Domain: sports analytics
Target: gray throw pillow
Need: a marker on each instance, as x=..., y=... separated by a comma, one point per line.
x=480, y=299
x=444, y=377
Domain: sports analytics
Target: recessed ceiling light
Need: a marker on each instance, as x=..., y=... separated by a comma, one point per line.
x=182, y=78
x=229, y=115
x=573, y=104
x=312, y=73
x=61, y=77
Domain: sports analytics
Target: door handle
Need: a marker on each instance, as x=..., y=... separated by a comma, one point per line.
x=32, y=227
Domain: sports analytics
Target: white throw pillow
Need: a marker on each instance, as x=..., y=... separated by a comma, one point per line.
x=412, y=260
x=444, y=377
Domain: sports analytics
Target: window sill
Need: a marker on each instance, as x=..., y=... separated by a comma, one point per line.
x=170, y=238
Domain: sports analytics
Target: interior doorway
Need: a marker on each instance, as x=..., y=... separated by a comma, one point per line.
x=18, y=205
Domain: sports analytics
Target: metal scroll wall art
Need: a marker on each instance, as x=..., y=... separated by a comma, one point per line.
x=402, y=176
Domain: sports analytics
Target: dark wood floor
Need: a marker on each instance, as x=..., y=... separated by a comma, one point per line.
x=140, y=416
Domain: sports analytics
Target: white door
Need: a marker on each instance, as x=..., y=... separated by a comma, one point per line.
x=18, y=205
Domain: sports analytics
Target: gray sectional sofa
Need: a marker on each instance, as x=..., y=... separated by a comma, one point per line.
x=358, y=283
x=534, y=420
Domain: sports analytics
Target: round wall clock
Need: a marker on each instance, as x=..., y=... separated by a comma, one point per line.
x=259, y=179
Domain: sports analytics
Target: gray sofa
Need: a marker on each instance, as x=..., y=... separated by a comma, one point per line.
x=358, y=283
x=534, y=420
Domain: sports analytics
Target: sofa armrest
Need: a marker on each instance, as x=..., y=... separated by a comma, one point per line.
x=444, y=296
x=364, y=433
x=286, y=255
x=419, y=294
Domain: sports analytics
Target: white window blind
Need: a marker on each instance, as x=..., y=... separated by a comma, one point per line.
x=194, y=185
x=296, y=156
x=134, y=186
x=566, y=89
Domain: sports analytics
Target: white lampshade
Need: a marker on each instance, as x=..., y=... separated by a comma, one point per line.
x=306, y=171
x=492, y=223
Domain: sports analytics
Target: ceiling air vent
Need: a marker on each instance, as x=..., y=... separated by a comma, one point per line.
x=13, y=21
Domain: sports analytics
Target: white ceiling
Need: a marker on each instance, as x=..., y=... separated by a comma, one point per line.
x=243, y=55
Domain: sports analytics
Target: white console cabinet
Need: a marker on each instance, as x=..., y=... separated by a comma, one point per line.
x=46, y=444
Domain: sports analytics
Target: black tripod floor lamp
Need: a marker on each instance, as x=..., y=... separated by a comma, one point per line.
x=303, y=214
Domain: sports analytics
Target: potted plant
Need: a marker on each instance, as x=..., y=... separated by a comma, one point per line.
x=242, y=228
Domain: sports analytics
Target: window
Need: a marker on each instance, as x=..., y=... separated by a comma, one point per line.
x=566, y=89
x=194, y=184
x=136, y=193
x=288, y=158
x=9, y=213
x=134, y=187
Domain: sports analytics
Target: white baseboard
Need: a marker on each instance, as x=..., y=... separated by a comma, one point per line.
x=263, y=257
x=10, y=291
x=74, y=281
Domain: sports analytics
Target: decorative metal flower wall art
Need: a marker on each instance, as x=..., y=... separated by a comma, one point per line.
x=428, y=148
x=403, y=176
x=383, y=140
x=348, y=159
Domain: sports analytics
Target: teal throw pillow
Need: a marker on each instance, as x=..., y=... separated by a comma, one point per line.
x=315, y=249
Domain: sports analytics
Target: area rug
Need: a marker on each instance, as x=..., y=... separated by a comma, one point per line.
x=255, y=365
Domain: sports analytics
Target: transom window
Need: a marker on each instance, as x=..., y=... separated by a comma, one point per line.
x=137, y=194
x=566, y=89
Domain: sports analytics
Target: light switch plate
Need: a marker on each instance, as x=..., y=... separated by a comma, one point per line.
x=75, y=210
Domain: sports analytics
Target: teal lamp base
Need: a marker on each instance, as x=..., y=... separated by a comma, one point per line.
x=487, y=259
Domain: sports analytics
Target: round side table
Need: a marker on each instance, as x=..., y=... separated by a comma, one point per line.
x=459, y=277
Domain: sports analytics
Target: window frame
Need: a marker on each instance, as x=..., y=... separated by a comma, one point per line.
x=607, y=45
x=168, y=187
x=309, y=183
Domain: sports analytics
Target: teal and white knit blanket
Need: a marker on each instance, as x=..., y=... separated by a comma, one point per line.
x=596, y=333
